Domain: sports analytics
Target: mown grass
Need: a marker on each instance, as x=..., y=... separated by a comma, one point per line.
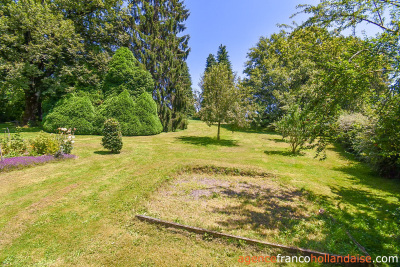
x=81, y=212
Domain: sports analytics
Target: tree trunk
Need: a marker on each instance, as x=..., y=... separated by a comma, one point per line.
x=31, y=107
x=294, y=148
x=219, y=131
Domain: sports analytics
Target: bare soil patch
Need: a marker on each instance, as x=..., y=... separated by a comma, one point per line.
x=251, y=206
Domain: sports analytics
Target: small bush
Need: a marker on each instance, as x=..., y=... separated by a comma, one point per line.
x=44, y=144
x=13, y=146
x=297, y=127
x=72, y=112
x=112, y=139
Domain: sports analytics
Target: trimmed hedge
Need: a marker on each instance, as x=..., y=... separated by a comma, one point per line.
x=135, y=118
x=122, y=108
x=127, y=88
x=73, y=112
x=146, y=111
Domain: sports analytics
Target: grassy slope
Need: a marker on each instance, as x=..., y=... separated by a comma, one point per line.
x=82, y=211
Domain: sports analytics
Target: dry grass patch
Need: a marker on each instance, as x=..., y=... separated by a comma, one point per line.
x=255, y=206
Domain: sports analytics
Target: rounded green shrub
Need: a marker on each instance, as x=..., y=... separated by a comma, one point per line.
x=146, y=111
x=135, y=118
x=73, y=112
x=112, y=139
x=122, y=108
x=126, y=73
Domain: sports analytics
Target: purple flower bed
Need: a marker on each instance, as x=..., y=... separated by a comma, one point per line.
x=11, y=163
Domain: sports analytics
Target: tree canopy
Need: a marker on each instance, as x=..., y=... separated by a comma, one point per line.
x=53, y=48
x=39, y=50
x=155, y=29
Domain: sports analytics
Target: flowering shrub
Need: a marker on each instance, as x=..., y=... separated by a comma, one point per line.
x=349, y=127
x=66, y=139
x=17, y=162
x=43, y=144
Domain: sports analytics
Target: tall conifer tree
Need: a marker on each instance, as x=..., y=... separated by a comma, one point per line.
x=155, y=27
x=211, y=61
x=223, y=57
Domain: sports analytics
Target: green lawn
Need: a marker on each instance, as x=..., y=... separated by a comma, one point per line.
x=81, y=212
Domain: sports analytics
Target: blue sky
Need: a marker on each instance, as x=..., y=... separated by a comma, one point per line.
x=238, y=24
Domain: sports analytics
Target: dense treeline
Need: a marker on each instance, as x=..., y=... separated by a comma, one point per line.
x=52, y=49
x=317, y=86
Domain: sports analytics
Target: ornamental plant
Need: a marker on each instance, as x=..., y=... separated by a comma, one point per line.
x=136, y=116
x=66, y=138
x=8, y=164
x=13, y=145
x=112, y=139
x=44, y=144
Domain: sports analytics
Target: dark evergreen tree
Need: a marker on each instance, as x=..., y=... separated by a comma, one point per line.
x=223, y=57
x=155, y=28
x=211, y=61
x=184, y=99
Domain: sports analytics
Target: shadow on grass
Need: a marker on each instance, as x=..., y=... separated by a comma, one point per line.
x=371, y=214
x=205, y=141
x=371, y=219
x=229, y=127
x=12, y=127
x=277, y=140
x=103, y=152
x=282, y=153
x=278, y=211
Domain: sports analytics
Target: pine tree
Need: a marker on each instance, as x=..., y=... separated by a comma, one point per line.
x=223, y=57
x=154, y=26
x=211, y=61
x=183, y=102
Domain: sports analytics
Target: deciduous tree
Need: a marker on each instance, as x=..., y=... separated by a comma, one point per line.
x=39, y=49
x=223, y=101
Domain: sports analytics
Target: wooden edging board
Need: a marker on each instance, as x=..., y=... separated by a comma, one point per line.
x=202, y=231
